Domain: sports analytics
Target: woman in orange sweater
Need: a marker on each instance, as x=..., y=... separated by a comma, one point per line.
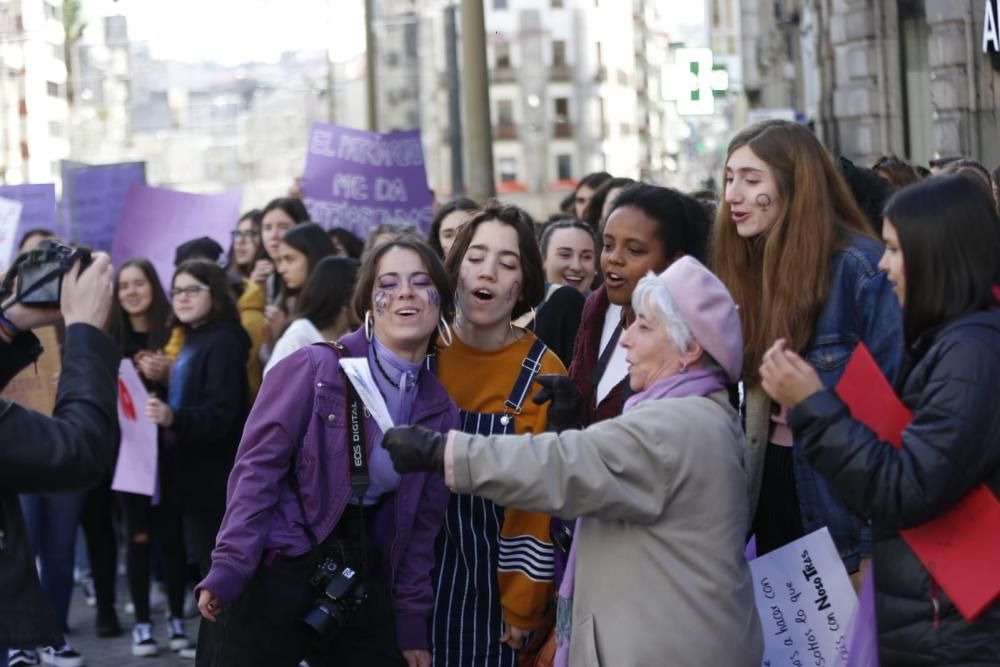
x=494, y=568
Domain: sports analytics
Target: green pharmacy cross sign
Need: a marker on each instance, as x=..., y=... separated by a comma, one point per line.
x=692, y=81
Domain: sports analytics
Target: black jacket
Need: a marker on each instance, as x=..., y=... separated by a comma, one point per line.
x=558, y=321
x=949, y=449
x=198, y=449
x=70, y=451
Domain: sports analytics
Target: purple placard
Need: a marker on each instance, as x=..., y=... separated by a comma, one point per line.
x=356, y=179
x=155, y=221
x=96, y=198
x=38, y=210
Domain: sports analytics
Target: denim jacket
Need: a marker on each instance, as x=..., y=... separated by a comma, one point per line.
x=860, y=307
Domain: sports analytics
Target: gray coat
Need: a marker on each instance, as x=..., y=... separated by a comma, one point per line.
x=661, y=492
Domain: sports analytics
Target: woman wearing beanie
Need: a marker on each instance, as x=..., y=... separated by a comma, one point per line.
x=659, y=491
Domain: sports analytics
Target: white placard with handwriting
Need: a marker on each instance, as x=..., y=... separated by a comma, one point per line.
x=805, y=601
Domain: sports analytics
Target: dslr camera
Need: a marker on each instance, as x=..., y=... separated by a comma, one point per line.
x=341, y=595
x=40, y=272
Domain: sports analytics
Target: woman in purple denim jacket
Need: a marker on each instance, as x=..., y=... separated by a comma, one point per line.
x=291, y=487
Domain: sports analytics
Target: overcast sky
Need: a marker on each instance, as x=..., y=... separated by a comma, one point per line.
x=235, y=31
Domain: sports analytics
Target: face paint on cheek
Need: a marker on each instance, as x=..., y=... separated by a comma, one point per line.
x=433, y=297
x=382, y=300
x=514, y=292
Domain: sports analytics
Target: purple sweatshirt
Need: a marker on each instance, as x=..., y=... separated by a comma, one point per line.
x=301, y=412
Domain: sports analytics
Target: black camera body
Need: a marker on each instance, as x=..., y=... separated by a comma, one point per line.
x=45, y=265
x=342, y=592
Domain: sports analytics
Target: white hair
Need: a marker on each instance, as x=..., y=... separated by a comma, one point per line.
x=652, y=298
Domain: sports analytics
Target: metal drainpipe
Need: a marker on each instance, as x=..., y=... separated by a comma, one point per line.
x=970, y=74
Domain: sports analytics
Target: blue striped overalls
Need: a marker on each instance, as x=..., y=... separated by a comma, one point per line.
x=468, y=621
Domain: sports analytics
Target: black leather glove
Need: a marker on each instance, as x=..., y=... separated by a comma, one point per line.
x=415, y=449
x=564, y=412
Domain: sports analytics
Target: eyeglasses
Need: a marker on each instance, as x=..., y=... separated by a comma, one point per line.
x=189, y=292
x=248, y=235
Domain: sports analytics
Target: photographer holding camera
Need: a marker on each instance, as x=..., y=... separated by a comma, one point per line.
x=69, y=451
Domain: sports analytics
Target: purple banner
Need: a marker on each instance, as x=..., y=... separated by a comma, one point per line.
x=356, y=179
x=94, y=196
x=38, y=207
x=154, y=221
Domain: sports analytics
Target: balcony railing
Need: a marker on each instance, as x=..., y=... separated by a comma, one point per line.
x=562, y=130
x=505, y=131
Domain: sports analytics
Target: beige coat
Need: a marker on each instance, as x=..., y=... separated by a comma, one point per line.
x=660, y=578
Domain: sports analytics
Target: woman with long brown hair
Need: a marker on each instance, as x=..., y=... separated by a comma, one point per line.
x=801, y=261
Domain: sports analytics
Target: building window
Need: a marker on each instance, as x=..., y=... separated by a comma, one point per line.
x=564, y=167
x=557, y=4
x=499, y=4
x=57, y=52
x=501, y=55
x=508, y=169
x=53, y=11
x=558, y=53
x=562, y=110
x=505, y=112
x=54, y=89
x=392, y=59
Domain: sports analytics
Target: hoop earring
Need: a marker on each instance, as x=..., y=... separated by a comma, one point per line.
x=368, y=325
x=444, y=332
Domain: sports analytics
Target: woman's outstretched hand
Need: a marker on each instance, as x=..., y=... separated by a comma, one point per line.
x=564, y=411
x=415, y=449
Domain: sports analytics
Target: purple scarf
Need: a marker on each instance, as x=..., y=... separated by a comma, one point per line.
x=699, y=382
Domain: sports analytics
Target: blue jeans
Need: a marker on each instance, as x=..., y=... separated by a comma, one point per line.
x=52, y=521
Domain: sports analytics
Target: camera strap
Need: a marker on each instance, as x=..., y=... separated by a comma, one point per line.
x=8, y=281
x=357, y=460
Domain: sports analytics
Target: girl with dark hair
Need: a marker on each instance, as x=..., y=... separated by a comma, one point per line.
x=799, y=258
x=569, y=254
x=246, y=248
x=942, y=240
x=585, y=191
x=321, y=311
x=278, y=217
x=648, y=228
x=295, y=504
x=446, y=223
x=346, y=243
x=494, y=566
x=301, y=248
x=143, y=330
x=604, y=197
x=206, y=404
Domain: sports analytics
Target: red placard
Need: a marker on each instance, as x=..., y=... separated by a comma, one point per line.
x=961, y=547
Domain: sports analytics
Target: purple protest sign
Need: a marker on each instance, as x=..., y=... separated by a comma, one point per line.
x=154, y=221
x=95, y=199
x=356, y=179
x=38, y=207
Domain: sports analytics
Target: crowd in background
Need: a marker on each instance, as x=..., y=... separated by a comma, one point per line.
x=469, y=552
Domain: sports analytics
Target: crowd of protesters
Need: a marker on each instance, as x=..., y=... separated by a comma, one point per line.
x=567, y=432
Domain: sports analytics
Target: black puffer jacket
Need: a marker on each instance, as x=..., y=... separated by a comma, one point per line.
x=950, y=448
x=70, y=451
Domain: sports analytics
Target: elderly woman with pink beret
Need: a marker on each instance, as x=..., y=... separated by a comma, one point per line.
x=656, y=574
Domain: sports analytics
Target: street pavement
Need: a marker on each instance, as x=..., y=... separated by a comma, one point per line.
x=117, y=651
